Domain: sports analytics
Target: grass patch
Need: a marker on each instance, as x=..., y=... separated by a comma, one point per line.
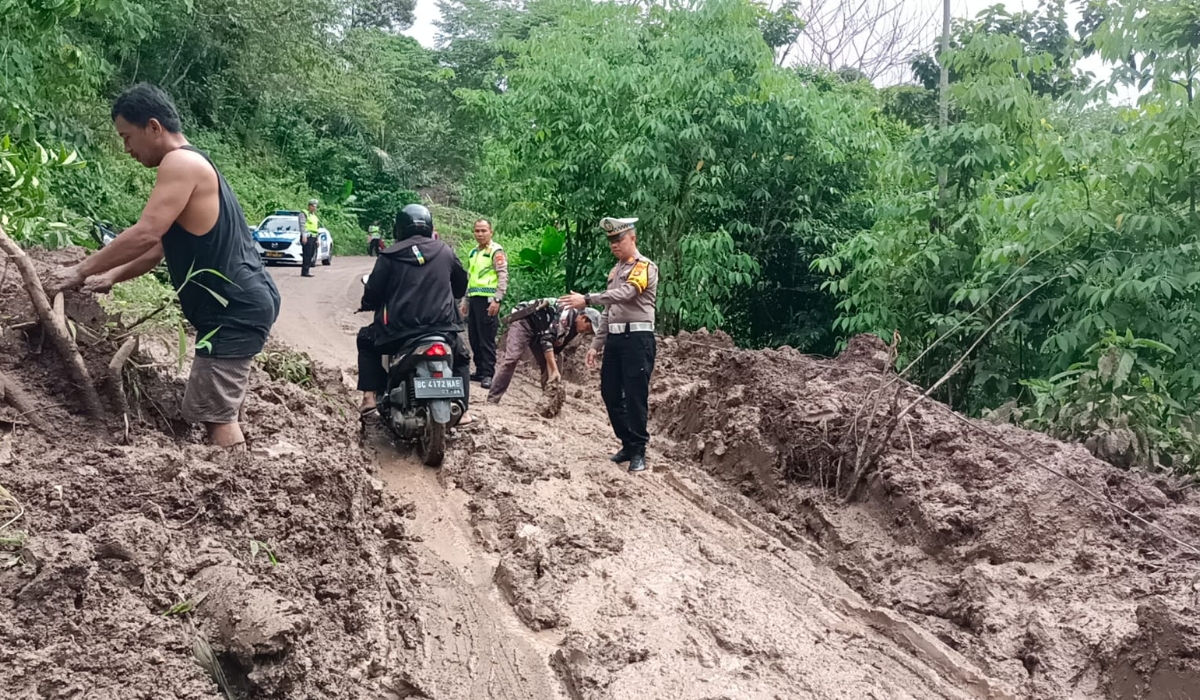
x=455, y=226
x=145, y=299
x=288, y=366
x=12, y=538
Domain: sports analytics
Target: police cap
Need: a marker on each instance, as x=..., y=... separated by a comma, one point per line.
x=616, y=228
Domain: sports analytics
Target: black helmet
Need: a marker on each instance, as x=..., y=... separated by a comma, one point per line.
x=413, y=220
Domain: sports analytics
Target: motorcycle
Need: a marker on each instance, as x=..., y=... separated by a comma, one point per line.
x=424, y=399
x=103, y=233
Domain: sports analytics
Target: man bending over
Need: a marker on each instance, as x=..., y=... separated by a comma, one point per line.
x=194, y=221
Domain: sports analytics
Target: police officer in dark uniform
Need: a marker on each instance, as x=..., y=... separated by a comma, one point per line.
x=625, y=336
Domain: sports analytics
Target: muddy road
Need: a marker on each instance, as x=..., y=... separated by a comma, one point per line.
x=551, y=573
x=476, y=646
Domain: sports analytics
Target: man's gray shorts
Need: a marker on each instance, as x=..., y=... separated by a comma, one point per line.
x=216, y=389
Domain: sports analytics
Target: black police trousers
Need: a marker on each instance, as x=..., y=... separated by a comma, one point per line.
x=625, y=385
x=373, y=377
x=308, y=255
x=482, y=330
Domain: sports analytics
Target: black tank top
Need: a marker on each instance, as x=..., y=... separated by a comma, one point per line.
x=242, y=323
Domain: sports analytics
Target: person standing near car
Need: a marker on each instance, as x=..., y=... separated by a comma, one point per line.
x=373, y=239
x=487, y=282
x=308, y=239
x=192, y=220
x=626, y=337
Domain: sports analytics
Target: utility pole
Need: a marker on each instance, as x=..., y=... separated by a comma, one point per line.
x=944, y=92
x=944, y=83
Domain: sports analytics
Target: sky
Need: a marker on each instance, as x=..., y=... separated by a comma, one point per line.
x=427, y=12
x=423, y=29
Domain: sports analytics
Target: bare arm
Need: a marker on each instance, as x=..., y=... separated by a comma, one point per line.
x=149, y=260
x=173, y=190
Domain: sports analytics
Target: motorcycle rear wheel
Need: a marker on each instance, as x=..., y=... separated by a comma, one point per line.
x=432, y=445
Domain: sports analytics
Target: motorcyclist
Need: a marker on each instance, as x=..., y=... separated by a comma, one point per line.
x=374, y=239
x=412, y=290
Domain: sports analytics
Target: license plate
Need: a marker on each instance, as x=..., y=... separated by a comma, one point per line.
x=438, y=387
x=274, y=255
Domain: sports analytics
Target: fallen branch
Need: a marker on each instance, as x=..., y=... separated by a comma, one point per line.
x=872, y=455
x=116, y=382
x=15, y=395
x=128, y=330
x=55, y=326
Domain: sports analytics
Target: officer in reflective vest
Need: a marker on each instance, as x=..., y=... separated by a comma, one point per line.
x=487, y=282
x=626, y=337
x=308, y=239
x=373, y=239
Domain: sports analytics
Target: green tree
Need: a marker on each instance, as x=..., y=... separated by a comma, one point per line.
x=680, y=117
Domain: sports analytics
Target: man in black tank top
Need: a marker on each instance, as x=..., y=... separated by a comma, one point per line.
x=195, y=222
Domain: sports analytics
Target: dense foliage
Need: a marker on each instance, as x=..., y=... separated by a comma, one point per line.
x=293, y=100
x=1046, y=235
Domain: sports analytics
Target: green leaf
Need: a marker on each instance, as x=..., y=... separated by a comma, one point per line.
x=182, y=346
x=203, y=343
x=1124, y=368
x=220, y=299
x=212, y=272
x=1107, y=364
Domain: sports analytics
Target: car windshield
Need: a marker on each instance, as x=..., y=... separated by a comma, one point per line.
x=279, y=224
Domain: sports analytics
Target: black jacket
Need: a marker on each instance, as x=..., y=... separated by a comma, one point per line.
x=412, y=290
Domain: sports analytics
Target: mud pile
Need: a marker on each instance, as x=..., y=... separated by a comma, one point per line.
x=164, y=567
x=1051, y=590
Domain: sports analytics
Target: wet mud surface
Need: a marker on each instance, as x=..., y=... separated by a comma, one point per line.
x=1050, y=590
x=530, y=566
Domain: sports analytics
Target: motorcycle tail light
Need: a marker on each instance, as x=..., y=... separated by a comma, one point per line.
x=436, y=351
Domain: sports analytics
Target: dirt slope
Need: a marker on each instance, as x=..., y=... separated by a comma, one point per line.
x=1051, y=590
x=116, y=535
x=474, y=638
x=530, y=567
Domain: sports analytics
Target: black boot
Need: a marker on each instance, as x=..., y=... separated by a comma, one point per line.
x=637, y=463
x=621, y=457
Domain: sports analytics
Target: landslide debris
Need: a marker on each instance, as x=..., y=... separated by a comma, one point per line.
x=1053, y=591
x=121, y=563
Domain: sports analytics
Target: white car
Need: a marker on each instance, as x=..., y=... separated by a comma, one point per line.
x=278, y=239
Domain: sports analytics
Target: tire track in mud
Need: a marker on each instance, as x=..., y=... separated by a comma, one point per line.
x=654, y=588
x=474, y=643
x=474, y=646
x=701, y=599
